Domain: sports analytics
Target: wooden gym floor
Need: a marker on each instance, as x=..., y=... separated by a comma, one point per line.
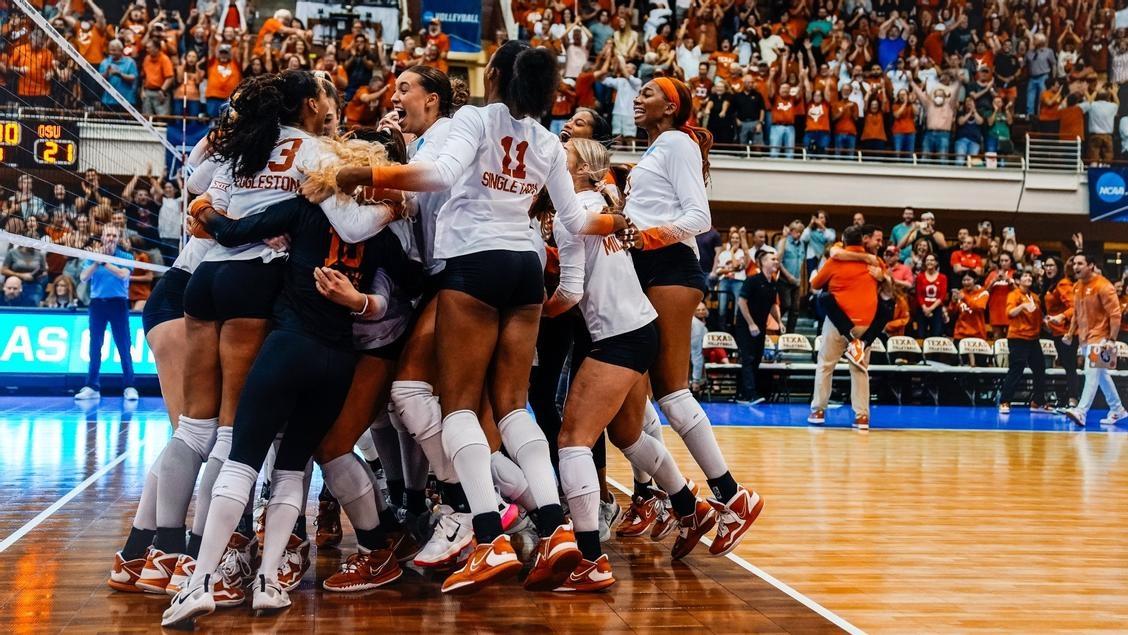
x=984, y=525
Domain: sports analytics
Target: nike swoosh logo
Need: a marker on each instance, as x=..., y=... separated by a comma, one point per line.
x=494, y=559
x=454, y=532
x=580, y=578
x=476, y=562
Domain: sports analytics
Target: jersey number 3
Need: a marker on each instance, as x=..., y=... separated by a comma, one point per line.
x=507, y=164
x=287, y=156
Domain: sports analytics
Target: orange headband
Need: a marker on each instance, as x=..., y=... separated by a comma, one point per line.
x=670, y=90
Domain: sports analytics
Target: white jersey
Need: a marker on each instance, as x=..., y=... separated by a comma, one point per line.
x=600, y=267
x=667, y=190
x=494, y=166
x=296, y=153
x=427, y=148
x=192, y=254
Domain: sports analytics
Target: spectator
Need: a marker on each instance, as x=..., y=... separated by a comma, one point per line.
x=435, y=36
x=729, y=271
x=698, y=330
x=969, y=131
x=891, y=41
x=366, y=106
x=1101, y=110
x=708, y=246
x=109, y=305
x=626, y=87
x=874, y=138
x=60, y=202
x=791, y=254
x=719, y=117
x=931, y=292
x=1025, y=315
x=786, y=105
x=14, y=295
x=601, y=33
x=817, y=136
x=25, y=202
x=817, y=236
x=748, y=106
x=900, y=320
x=1057, y=300
x=1040, y=66
x=158, y=76
x=223, y=76
x=966, y=259
x=121, y=72
x=63, y=294
x=998, y=122
x=846, y=114
x=999, y=283
x=759, y=298
x=32, y=62
x=940, y=110
x=29, y=265
x=900, y=273
x=969, y=304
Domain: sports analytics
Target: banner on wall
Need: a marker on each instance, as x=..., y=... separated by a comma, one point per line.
x=39, y=342
x=1108, y=194
x=462, y=22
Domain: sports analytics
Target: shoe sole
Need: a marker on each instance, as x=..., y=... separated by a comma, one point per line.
x=124, y=587
x=498, y=574
x=754, y=514
x=595, y=588
x=155, y=589
x=364, y=586
x=561, y=565
x=188, y=622
x=816, y=422
x=445, y=562
x=688, y=547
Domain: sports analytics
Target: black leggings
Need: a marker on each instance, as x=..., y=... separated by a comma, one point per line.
x=297, y=379
x=845, y=325
x=1024, y=353
x=1067, y=357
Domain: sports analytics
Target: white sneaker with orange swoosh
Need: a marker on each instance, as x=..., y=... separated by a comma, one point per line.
x=487, y=563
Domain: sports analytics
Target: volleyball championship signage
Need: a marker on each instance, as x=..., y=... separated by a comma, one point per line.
x=461, y=21
x=42, y=342
x=1108, y=194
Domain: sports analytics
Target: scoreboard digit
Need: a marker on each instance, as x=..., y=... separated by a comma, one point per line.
x=29, y=143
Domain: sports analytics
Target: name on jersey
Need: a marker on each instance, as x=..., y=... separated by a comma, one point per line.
x=503, y=183
x=612, y=244
x=269, y=182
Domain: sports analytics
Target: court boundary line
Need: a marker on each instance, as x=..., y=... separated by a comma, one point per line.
x=66, y=498
x=1088, y=429
x=787, y=589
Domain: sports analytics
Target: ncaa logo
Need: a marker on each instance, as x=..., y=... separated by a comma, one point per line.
x=1110, y=187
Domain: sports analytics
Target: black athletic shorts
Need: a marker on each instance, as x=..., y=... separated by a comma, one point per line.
x=501, y=279
x=230, y=289
x=635, y=349
x=166, y=302
x=675, y=265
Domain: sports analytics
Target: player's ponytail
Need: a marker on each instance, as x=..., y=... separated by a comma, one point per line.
x=527, y=78
x=677, y=93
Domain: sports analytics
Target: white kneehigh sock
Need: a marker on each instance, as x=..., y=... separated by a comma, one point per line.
x=692, y=424
x=353, y=489
x=232, y=488
x=525, y=442
x=414, y=463
x=286, y=504
x=146, y=515
x=580, y=482
x=651, y=425
x=216, y=459
x=648, y=454
x=469, y=451
x=180, y=465
x=511, y=481
x=418, y=410
x=387, y=446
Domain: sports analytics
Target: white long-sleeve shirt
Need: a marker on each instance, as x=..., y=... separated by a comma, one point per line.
x=428, y=147
x=599, y=269
x=666, y=190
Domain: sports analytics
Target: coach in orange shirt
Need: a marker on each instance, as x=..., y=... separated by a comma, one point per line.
x=854, y=288
x=1095, y=324
x=970, y=308
x=1057, y=300
x=1025, y=313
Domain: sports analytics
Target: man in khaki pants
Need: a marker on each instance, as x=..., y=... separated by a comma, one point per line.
x=1096, y=323
x=853, y=283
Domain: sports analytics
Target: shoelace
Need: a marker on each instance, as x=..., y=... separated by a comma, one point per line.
x=727, y=516
x=351, y=564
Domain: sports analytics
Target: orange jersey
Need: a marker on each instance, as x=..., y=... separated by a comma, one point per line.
x=997, y=305
x=852, y=286
x=1026, y=325
x=266, y=33
x=156, y=70
x=896, y=326
x=222, y=79
x=818, y=117
x=1095, y=305
x=971, y=314
x=91, y=45
x=360, y=113
x=1059, y=301
x=33, y=82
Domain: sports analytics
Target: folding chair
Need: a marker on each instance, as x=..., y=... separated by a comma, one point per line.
x=721, y=378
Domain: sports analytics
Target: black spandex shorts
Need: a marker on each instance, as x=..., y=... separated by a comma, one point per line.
x=230, y=289
x=675, y=265
x=501, y=279
x=166, y=302
x=635, y=350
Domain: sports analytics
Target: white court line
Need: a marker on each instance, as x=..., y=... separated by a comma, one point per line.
x=47, y=513
x=826, y=613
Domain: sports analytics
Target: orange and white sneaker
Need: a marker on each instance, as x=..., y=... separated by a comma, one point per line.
x=295, y=563
x=588, y=577
x=364, y=571
x=403, y=545
x=691, y=528
x=736, y=517
x=229, y=580
x=856, y=354
x=861, y=422
x=158, y=570
x=487, y=563
x=640, y=515
x=328, y=524
x=817, y=417
x=247, y=549
x=556, y=557
x=185, y=567
x=664, y=519
x=124, y=573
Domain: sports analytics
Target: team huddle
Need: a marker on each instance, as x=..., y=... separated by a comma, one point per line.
x=408, y=307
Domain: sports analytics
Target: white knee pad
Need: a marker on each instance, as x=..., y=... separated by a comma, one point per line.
x=519, y=430
x=578, y=476
x=222, y=447
x=508, y=477
x=197, y=434
x=645, y=453
x=682, y=411
x=460, y=431
x=417, y=408
x=287, y=488
x=365, y=446
x=346, y=478
x=235, y=482
x=651, y=424
x=395, y=419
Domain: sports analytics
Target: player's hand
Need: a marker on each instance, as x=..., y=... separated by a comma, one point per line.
x=279, y=243
x=335, y=287
x=316, y=192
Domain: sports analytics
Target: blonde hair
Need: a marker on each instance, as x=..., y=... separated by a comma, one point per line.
x=598, y=160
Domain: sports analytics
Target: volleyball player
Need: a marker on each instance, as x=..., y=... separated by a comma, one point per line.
x=495, y=160
x=666, y=200
x=279, y=146
x=610, y=390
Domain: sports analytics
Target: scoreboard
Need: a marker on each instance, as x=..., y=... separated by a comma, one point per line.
x=37, y=143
